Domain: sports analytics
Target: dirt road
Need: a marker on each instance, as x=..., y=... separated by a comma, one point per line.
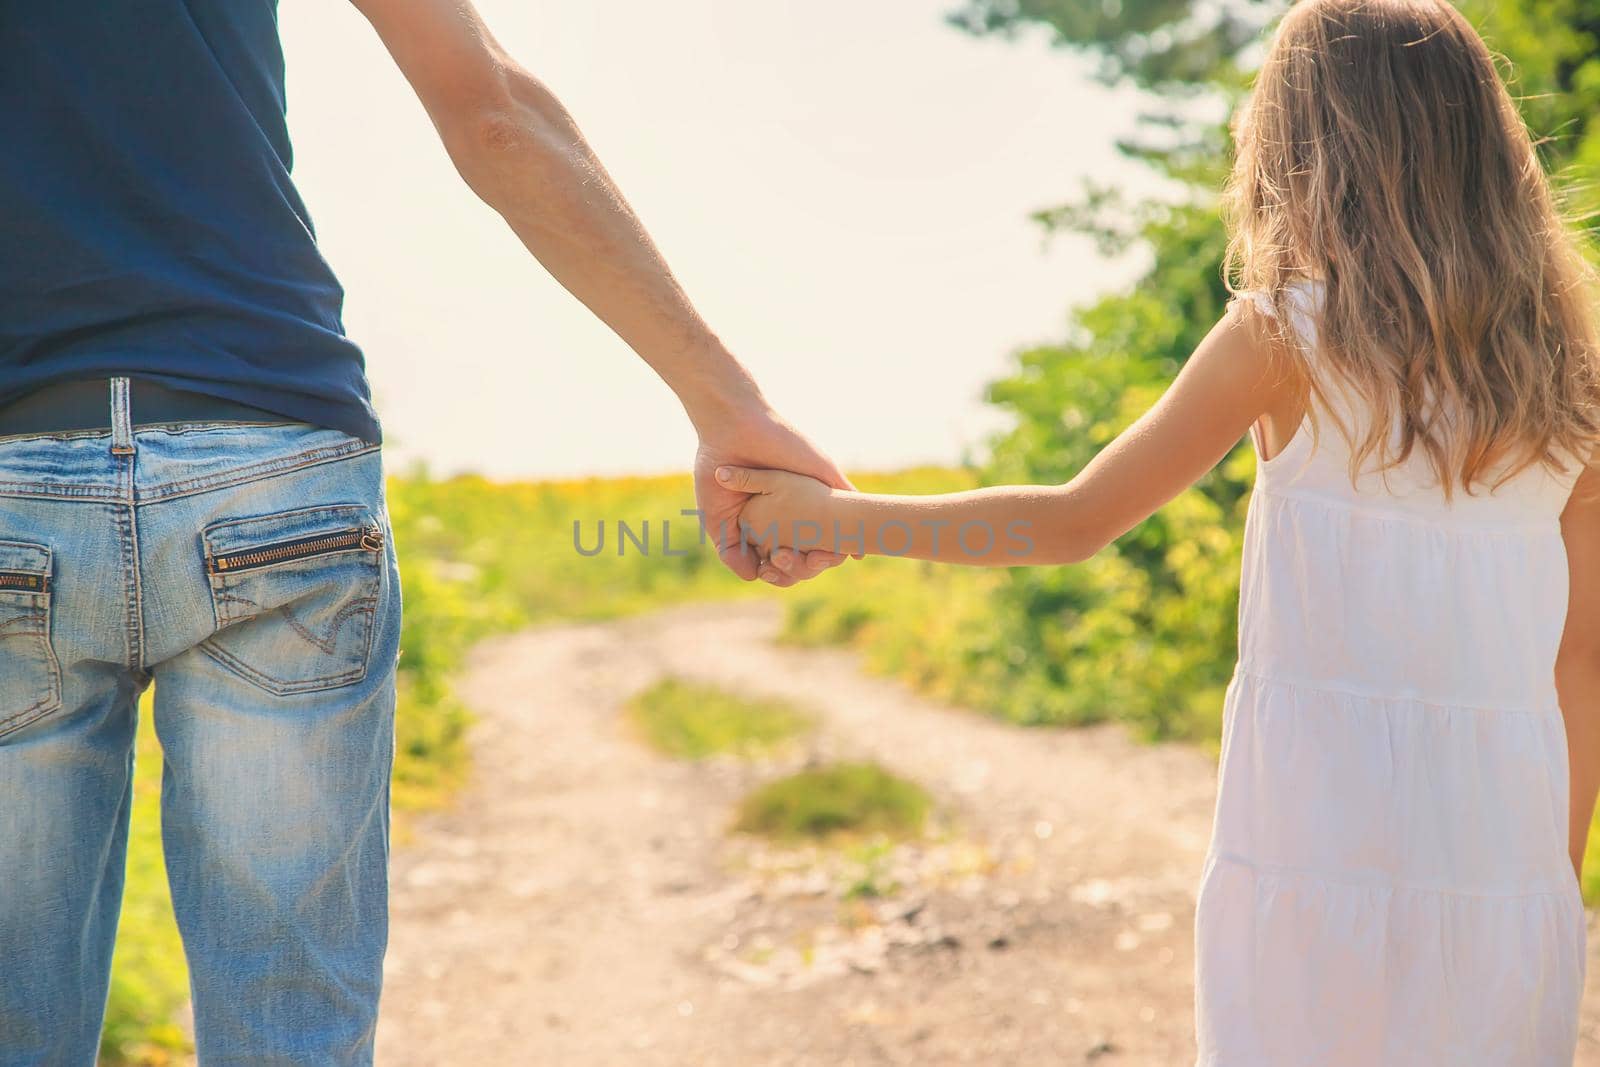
x=582, y=905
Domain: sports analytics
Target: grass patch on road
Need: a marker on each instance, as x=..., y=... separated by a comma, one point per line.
x=842, y=800
x=690, y=720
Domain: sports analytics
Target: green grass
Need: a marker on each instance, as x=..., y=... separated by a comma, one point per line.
x=1590, y=881
x=689, y=720
x=872, y=878
x=846, y=800
x=149, y=980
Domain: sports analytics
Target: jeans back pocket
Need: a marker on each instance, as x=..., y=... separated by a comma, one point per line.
x=295, y=593
x=30, y=675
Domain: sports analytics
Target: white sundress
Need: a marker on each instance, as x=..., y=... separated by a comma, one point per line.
x=1387, y=883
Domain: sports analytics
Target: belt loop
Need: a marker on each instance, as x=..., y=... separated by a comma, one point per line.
x=121, y=418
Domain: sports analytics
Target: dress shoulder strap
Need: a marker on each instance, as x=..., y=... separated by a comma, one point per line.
x=1303, y=297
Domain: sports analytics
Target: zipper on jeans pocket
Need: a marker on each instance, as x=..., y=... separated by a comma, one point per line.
x=360, y=537
x=27, y=581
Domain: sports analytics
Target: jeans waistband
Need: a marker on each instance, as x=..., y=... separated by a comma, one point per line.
x=118, y=404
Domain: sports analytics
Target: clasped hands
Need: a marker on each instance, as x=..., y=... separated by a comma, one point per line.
x=757, y=472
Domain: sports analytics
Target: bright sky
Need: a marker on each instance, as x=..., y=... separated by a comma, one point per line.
x=843, y=188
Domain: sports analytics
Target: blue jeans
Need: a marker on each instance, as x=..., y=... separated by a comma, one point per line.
x=247, y=568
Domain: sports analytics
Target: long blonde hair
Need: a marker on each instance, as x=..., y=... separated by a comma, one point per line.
x=1380, y=153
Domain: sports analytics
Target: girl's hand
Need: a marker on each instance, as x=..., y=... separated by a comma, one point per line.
x=787, y=510
x=756, y=438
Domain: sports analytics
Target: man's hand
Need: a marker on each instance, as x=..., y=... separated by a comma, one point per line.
x=758, y=439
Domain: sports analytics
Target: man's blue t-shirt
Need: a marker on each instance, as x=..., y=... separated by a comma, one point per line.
x=148, y=224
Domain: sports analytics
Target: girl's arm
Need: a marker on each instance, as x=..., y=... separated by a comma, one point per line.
x=1233, y=377
x=1578, y=663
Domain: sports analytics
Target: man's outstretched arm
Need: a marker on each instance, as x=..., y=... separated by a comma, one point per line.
x=516, y=146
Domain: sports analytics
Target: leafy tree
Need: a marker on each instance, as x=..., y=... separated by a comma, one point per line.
x=1182, y=50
